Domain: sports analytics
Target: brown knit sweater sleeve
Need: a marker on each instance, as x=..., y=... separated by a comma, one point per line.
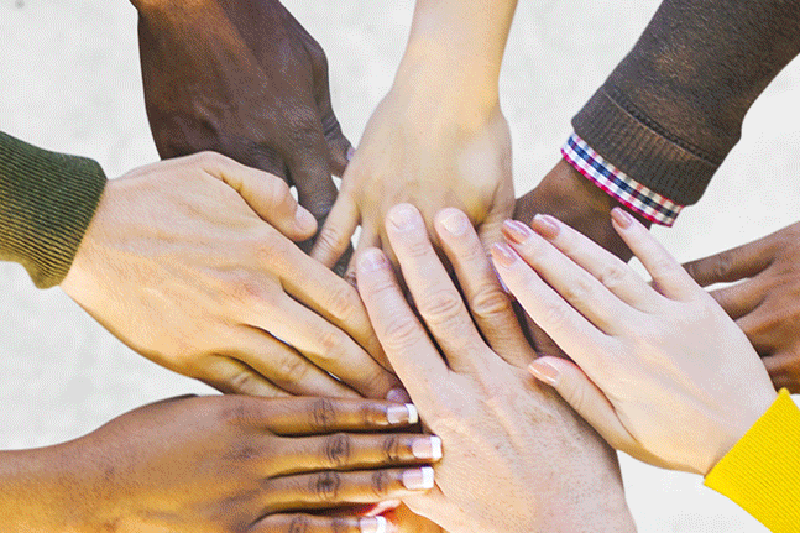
x=673, y=108
x=47, y=200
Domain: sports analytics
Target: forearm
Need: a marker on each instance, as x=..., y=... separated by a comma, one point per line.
x=39, y=492
x=673, y=108
x=458, y=44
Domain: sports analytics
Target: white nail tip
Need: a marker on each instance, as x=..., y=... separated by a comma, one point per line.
x=413, y=414
x=436, y=448
x=377, y=524
x=427, y=477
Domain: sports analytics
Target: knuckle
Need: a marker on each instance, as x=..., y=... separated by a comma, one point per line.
x=322, y=415
x=554, y=318
x=269, y=250
x=326, y=485
x=613, y=276
x=343, y=301
x=209, y=159
x=243, y=381
x=380, y=482
x=722, y=265
x=300, y=524
x=292, y=369
x=441, y=306
x=489, y=302
x=399, y=333
x=333, y=343
x=329, y=239
x=337, y=449
x=391, y=448
x=279, y=193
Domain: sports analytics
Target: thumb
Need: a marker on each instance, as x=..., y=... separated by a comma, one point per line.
x=267, y=195
x=585, y=397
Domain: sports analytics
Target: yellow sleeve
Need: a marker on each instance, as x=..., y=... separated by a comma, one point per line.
x=761, y=473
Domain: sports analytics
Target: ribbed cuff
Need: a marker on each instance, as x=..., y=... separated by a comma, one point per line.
x=47, y=200
x=761, y=473
x=641, y=153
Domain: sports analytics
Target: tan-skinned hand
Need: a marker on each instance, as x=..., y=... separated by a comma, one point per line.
x=222, y=464
x=662, y=372
x=765, y=299
x=190, y=263
x=516, y=458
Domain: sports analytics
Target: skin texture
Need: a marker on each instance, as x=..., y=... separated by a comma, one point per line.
x=189, y=263
x=438, y=138
x=763, y=299
x=573, y=199
x=245, y=79
x=549, y=471
x=663, y=373
x=214, y=464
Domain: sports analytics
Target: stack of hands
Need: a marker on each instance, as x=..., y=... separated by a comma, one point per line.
x=200, y=263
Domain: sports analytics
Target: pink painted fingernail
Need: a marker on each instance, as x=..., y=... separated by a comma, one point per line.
x=545, y=225
x=504, y=255
x=545, y=372
x=350, y=153
x=418, y=478
x=622, y=218
x=454, y=221
x=429, y=447
x=398, y=396
x=404, y=217
x=372, y=260
x=402, y=414
x=305, y=220
x=516, y=231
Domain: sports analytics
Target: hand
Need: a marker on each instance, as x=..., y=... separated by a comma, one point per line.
x=221, y=464
x=515, y=457
x=434, y=158
x=664, y=374
x=765, y=306
x=185, y=262
x=244, y=79
x=579, y=203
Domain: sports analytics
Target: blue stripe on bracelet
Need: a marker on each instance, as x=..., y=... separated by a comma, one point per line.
x=630, y=193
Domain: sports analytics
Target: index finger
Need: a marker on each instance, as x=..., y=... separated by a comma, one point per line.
x=408, y=347
x=744, y=261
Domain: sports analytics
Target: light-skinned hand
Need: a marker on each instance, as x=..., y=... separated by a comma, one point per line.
x=661, y=372
x=230, y=464
x=190, y=263
x=516, y=458
x=765, y=300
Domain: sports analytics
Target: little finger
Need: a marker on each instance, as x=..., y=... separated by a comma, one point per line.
x=305, y=523
x=742, y=298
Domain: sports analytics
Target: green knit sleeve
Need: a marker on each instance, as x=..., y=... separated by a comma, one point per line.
x=47, y=200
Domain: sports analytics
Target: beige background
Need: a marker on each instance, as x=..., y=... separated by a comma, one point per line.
x=69, y=81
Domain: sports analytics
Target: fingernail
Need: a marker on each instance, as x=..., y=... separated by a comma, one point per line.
x=376, y=524
x=427, y=448
x=350, y=153
x=454, y=221
x=403, y=217
x=398, y=396
x=372, y=260
x=305, y=220
x=622, y=218
x=382, y=507
x=546, y=226
x=419, y=478
x=516, y=231
x=402, y=414
x=544, y=372
x=504, y=255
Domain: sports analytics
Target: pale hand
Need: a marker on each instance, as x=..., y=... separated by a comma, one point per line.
x=516, y=458
x=665, y=375
x=186, y=262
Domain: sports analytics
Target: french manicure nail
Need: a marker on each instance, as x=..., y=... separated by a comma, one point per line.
x=516, y=231
x=622, y=217
x=372, y=260
x=545, y=372
x=504, y=255
x=545, y=225
x=419, y=478
x=404, y=217
x=402, y=414
x=455, y=222
x=375, y=524
x=427, y=448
